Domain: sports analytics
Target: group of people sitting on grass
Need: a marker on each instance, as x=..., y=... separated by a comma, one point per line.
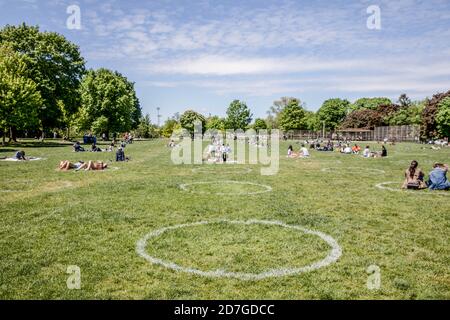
x=217, y=152
x=367, y=153
x=303, y=152
x=437, y=179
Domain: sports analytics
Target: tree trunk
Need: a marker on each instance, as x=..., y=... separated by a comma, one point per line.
x=4, y=137
x=12, y=134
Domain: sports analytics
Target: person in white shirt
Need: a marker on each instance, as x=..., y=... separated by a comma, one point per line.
x=304, y=153
x=366, y=153
x=348, y=150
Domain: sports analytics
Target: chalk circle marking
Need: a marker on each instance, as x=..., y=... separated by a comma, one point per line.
x=352, y=168
x=333, y=255
x=185, y=187
x=384, y=186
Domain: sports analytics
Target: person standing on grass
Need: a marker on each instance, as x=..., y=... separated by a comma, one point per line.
x=438, y=177
x=414, y=177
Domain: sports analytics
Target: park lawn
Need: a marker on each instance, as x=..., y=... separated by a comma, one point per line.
x=50, y=220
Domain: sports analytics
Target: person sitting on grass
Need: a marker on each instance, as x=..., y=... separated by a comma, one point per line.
x=366, y=152
x=383, y=151
x=438, y=177
x=77, y=147
x=20, y=155
x=304, y=153
x=94, y=148
x=111, y=147
x=291, y=153
x=347, y=150
x=356, y=149
x=120, y=155
x=414, y=177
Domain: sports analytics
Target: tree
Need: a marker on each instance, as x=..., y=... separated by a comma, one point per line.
x=168, y=128
x=215, y=123
x=274, y=112
x=370, y=103
x=312, y=121
x=20, y=101
x=443, y=118
x=55, y=65
x=109, y=99
x=429, y=123
x=189, y=118
x=363, y=118
x=404, y=101
x=238, y=115
x=411, y=115
x=293, y=117
x=260, y=124
x=333, y=112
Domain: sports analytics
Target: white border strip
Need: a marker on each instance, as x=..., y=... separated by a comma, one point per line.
x=334, y=254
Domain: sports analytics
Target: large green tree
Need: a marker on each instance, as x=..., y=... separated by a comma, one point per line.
x=333, y=112
x=189, y=118
x=429, y=128
x=108, y=102
x=56, y=67
x=20, y=102
x=238, y=115
x=293, y=117
x=443, y=118
x=274, y=112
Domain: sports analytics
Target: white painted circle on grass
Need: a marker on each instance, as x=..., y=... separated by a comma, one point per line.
x=333, y=255
x=385, y=186
x=185, y=187
x=353, y=169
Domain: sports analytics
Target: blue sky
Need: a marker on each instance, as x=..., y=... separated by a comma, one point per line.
x=203, y=54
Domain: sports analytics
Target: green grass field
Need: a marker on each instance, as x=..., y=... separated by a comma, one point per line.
x=50, y=220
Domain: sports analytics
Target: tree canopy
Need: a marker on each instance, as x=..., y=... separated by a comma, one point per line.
x=55, y=65
x=293, y=117
x=189, y=118
x=20, y=101
x=333, y=112
x=108, y=102
x=238, y=115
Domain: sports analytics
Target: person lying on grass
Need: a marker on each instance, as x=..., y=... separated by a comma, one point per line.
x=414, y=177
x=91, y=165
x=438, y=177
